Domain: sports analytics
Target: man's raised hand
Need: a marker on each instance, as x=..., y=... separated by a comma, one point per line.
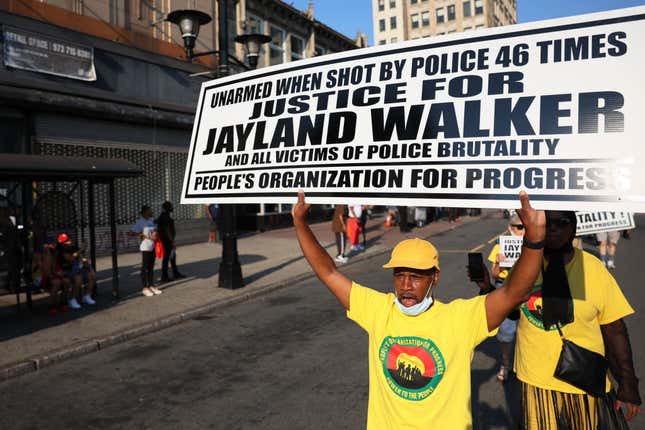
x=300, y=210
x=534, y=221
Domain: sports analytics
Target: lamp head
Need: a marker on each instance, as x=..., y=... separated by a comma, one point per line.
x=189, y=22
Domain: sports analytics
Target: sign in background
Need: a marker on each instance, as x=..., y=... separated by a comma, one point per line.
x=466, y=120
x=598, y=222
x=39, y=53
x=511, y=247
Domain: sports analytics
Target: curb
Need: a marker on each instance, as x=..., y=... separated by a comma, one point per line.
x=39, y=362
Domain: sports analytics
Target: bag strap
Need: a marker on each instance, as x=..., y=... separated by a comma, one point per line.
x=560, y=331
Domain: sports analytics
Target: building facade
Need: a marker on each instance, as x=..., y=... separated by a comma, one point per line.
x=398, y=20
x=109, y=78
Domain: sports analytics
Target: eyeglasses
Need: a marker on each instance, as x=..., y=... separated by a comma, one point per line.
x=558, y=222
x=518, y=226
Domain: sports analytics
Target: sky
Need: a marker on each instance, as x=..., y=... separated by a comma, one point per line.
x=350, y=16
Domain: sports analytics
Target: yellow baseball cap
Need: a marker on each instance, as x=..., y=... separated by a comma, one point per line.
x=414, y=253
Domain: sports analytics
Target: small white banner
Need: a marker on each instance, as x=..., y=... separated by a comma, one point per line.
x=511, y=247
x=555, y=108
x=598, y=222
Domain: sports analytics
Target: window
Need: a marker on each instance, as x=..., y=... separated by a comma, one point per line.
x=392, y=4
x=297, y=48
x=254, y=24
x=415, y=20
x=480, y=26
x=381, y=5
x=381, y=42
x=392, y=22
x=451, y=12
x=467, y=28
x=394, y=40
x=381, y=25
x=479, y=7
x=414, y=1
x=467, y=11
x=425, y=18
x=320, y=51
x=276, y=47
x=440, y=15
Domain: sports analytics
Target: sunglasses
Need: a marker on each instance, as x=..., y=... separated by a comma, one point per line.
x=518, y=226
x=558, y=222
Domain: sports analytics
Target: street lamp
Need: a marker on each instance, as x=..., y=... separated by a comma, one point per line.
x=253, y=42
x=189, y=21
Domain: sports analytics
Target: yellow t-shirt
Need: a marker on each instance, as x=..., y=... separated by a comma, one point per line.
x=597, y=300
x=419, y=366
x=492, y=257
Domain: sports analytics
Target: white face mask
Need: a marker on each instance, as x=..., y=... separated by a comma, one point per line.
x=420, y=307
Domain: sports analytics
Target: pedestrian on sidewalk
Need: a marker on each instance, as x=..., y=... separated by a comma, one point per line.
x=607, y=247
x=506, y=333
x=338, y=226
x=420, y=349
x=70, y=267
x=575, y=298
x=145, y=229
x=364, y=217
x=403, y=219
x=354, y=226
x=212, y=211
x=167, y=233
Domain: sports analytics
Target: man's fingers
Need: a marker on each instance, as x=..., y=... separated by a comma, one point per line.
x=618, y=404
x=301, y=197
x=524, y=199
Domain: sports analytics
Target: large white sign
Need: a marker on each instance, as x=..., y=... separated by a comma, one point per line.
x=555, y=108
x=598, y=222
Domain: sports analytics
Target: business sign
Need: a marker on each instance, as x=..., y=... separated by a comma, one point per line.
x=555, y=108
x=511, y=247
x=598, y=222
x=39, y=53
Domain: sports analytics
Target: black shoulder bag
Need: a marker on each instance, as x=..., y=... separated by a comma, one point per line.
x=582, y=368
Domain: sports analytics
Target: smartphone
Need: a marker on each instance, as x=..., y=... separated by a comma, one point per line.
x=475, y=266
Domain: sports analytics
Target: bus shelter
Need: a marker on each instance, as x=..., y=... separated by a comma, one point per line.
x=36, y=203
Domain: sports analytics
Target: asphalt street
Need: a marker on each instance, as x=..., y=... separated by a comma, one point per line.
x=288, y=360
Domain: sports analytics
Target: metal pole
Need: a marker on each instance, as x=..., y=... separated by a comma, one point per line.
x=230, y=271
x=92, y=222
x=115, y=265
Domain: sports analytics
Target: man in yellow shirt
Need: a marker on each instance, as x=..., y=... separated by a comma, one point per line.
x=420, y=349
x=577, y=293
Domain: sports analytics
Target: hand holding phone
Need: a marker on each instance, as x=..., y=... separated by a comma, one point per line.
x=476, y=266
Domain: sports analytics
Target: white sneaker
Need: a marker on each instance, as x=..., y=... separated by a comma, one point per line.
x=341, y=259
x=155, y=290
x=74, y=304
x=88, y=299
x=610, y=264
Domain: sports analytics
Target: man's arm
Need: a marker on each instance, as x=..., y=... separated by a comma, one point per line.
x=619, y=353
x=317, y=257
x=502, y=301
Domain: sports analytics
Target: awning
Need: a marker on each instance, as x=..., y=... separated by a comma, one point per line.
x=57, y=168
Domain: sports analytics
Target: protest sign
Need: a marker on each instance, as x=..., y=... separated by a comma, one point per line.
x=462, y=120
x=598, y=222
x=511, y=247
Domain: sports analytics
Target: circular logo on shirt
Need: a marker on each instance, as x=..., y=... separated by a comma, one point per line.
x=413, y=366
x=532, y=310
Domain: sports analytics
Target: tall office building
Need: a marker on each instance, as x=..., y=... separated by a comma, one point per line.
x=398, y=20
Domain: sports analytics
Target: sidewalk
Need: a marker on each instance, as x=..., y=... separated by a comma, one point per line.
x=270, y=260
